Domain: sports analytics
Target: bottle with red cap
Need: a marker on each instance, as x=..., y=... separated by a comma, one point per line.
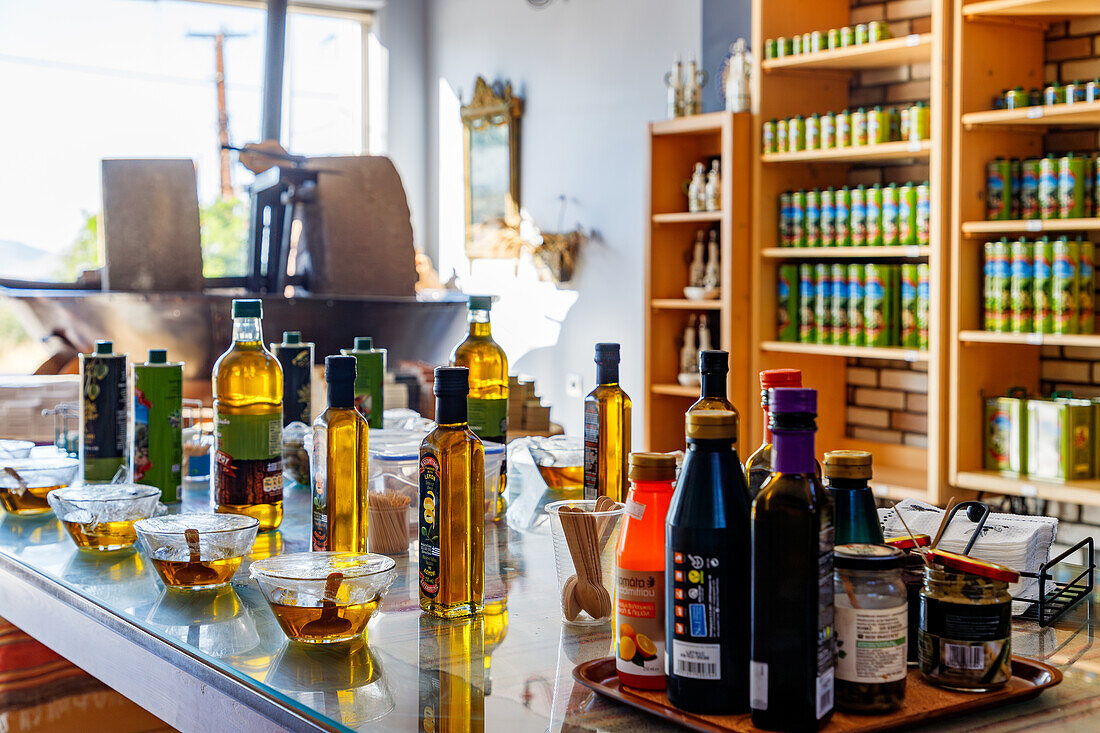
x=759, y=465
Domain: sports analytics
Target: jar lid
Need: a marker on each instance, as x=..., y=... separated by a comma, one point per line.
x=905, y=542
x=974, y=566
x=780, y=378
x=860, y=556
x=711, y=425
x=848, y=464
x=652, y=467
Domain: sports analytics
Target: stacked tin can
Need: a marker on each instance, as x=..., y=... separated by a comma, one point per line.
x=816, y=41
x=1055, y=438
x=852, y=217
x=1040, y=287
x=1072, y=93
x=1052, y=187
x=847, y=128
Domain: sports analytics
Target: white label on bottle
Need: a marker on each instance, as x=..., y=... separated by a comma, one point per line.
x=758, y=685
x=635, y=509
x=871, y=644
x=824, y=693
x=698, y=661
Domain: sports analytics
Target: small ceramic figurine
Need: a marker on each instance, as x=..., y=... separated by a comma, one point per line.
x=674, y=80
x=712, y=191
x=694, y=79
x=704, y=334
x=712, y=276
x=737, y=77
x=697, y=270
x=697, y=197
x=689, y=353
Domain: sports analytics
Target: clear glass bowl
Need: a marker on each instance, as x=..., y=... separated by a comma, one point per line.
x=324, y=597
x=208, y=558
x=13, y=450
x=560, y=462
x=25, y=483
x=100, y=517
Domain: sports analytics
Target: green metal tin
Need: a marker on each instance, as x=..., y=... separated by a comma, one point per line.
x=998, y=188
x=370, y=373
x=847, y=37
x=1006, y=433
x=1054, y=94
x=877, y=299
x=843, y=129
x=907, y=214
x=890, y=211
x=817, y=41
x=157, y=428
x=770, y=48
x=989, y=316
x=813, y=218
x=783, y=47
x=910, y=281
x=796, y=134
x=839, y=318
x=859, y=216
x=780, y=136
x=807, y=292
x=813, y=132
x=923, y=304
x=1086, y=287
x=787, y=303
x=1065, y=285
x=861, y=35
x=833, y=38
x=103, y=413
x=1016, y=98
x=842, y=205
x=874, y=215
x=828, y=217
x=786, y=232
x=798, y=218
x=878, y=126
x=1059, y=439
x=1022, y=287
x=1001, y=287
x=1030, y=170
x=857, y=284
x=859, y=127
x=828, y=131
x=1071, y=187
x=877, y=31
x=823, y=303
x=924, y=213
x=1049, y=187
x=920, y=122
x=768, y=137
x=1043, y=295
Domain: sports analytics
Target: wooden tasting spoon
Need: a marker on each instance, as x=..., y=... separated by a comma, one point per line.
x=194, y=572
x=586, y=596
x=330, y=623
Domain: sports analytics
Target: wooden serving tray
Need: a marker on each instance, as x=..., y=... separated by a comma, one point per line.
x=923, y=702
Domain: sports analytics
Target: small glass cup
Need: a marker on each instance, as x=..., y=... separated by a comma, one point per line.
x=14, y=450
x=25, y=483
x=100, y=517
x=194, y=552
x=560, y=461
x=593, y=533
x=324, y=597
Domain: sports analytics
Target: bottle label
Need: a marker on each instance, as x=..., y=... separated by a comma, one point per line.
x=824, y=693
x=758, y=685
x=635, y=509
x=297, y=383
x=871, y=644
x=320, y=490
x=697, y=628
x=488, y=418
x=826, y=649
x=640, y=622
x=105, y=409
x=248, y=461
x=429, y=526
x=591, y=450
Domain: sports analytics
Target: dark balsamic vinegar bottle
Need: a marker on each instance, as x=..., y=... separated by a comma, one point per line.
x=793, y=645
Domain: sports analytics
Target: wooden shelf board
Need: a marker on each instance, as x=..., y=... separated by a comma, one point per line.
x=1009, y=226
x=1073, y=492
x=865, y=352
x=854, y=154
x=708, y=123
x=1084, y=114
x=1044, y=8
x=687, y=217
x=685, y=304
x=910, y=49
x=1034, y=339
x=806, y=253
x=675, y=390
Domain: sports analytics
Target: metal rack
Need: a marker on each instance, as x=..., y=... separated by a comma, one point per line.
x=1056, y=598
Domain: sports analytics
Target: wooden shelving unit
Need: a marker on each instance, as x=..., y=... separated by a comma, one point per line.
x=674, y=148
x=1000, y=44
x=818, y=83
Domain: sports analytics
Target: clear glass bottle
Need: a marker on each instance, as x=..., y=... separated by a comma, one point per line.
x=488, y=365
x=847, y=473
x=451, y=685
x=451, y=508
x=759, y=465
x=248, y=421
x=340, y=476
x=606, y=430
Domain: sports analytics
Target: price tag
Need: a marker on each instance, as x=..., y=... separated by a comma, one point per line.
x=1034, y=225
x=913, y=39
x=914, y=146
x=911, y=355
x=1035, y=339
x=912, y=251
x=1028, y=490
x=1034, y=113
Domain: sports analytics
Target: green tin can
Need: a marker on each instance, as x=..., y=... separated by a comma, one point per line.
x=1071, y=187
x=890, y=211
x=998, y=188
x=1086, y=287
x=924, y=213
x=907, y=214
x=920, y=122
x=861, y=35
x=1059, y=439
x=847, y=37
x=780, y=136
x=104, y=408
x=828, y=131
x=296, y=359
x=873, y=224
x=1090, y=184
x=1030, y=170
x=767, y=135
x=903, y=124
x=787, y=303
x=370, y=373
x=857, y=284
x=1014, y=188
x=843, y=129
x=1092, y=91
x=813, y=132
x=923, y=304
x=894, y=116
x=1016, y=98
x=842, y=205
x=823, y=303
x=910, y=328
x=877, y=31
x=796, y=134
x=878, y=126
x=1054, y=94
x=859, y=216
x=1006, y=433
x=817, y=41
x=1022, y=287
x=770, y=48
x=989, y=317
x=813, y=218
x=1049, y=186
x=798, y=218
x=1065, y=285
x=1001, y=287
x=786, y=233
x=783, y=47
x=839, y=316
x=877, y=298
x=833, y=38
x=859, y=126
x=828, y=218
x=157, y=455
x=807, y=292
x=1043, y=294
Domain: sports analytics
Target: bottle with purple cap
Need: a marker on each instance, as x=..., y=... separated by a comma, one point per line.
x=793, y=646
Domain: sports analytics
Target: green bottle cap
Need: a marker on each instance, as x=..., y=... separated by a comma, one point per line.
x=104, y=347
x=158, y=356
x=292, y=337
x=481, y=302
x=363, y=343
x=248, y=308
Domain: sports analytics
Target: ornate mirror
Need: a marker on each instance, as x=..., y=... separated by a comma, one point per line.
x=490, y=125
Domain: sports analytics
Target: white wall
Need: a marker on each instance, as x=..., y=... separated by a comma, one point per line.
x=590, y=73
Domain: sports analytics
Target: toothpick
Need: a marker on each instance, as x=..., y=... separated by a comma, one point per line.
x=920, y=549
x=943, y=522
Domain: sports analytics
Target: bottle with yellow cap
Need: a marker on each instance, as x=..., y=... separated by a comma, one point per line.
x=713, y=368
x=707, y=564
x=640, y=573
x=847, y=473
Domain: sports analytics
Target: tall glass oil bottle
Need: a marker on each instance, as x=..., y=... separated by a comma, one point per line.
x=451, y=508
x=248, y=420
x=793, y=643
x=451, y=675
x=759, y=465
x=606, y=430
x=488, y=365
x=707, y=561
x=340, y=475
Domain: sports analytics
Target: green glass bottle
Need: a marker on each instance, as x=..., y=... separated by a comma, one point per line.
x=847, y=472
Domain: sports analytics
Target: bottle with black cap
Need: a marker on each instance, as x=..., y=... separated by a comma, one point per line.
x=340, y=472
x=370, y=379
x=452, y=504
x=296, y=359
x=157, y=426
x=606, y=430
x=714, y=365
x=104, y=445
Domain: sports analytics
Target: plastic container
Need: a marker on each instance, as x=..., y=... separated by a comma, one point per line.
x=195, y=552
x=297, y=445
x=607, y=536
x=100, y=517
x=494, y=458
x=25, y=483
x=394, y=465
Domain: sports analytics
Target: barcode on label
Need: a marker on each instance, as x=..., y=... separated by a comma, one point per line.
x=700, y=670
x=824, y=693
x=698, y=661
x=961, y=656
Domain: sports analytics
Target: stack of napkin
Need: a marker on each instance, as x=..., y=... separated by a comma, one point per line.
x=1018, y=541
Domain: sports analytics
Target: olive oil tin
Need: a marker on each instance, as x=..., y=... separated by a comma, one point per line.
x=1043, y=294
x=370, y=372
x=1086, y=288
x=296, y=359
x=1029, y=188
x=923, y=304
x=910, y=281
x=857, y=282
x=859, y=216
x=1022, y=287
x=1000, y=287
x=157, y=455
x=842, y=206
x=1006, y=433
x=873, y=204
x=1071, y=187
x=1064, y=285
x=828, y=217
x=1060, y=440
x=907, y=214
x=876, y=305
x=807, y=286
x=823, y=303
x=813, y=218
x=890, y=215
x=998, y=177
x=839, y=317
x=104, y=406
x=1048, y=187
x=787, y=303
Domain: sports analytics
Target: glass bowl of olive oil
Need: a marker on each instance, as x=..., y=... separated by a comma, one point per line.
x=100, y=517
x=193, y=552
x=324, y=597
x=25, y=482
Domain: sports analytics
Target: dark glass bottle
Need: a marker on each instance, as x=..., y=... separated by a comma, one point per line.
x=793, y=645
x=707, y=571
x=759, y=465
x=848, y=472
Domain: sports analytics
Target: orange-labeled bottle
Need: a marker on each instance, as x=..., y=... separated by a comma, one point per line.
x=640, y=573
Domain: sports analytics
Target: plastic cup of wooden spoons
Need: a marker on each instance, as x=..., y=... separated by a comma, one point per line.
x=194, y=552
x=324, y=597
x=584, y=535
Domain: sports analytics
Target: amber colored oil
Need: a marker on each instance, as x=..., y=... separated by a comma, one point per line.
x=33, y=500
x=612, y=407
x=458, y=512
x=294, y=621
x=563, y=478
x=104, y=536
x=249, y=381
x=345, y=434
x=180, y=573
x=452, y=669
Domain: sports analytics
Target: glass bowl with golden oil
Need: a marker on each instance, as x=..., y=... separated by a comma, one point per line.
x=25, y=482
x=100, y=517
x=560, y=461
x=195, y=552
x=324, y=597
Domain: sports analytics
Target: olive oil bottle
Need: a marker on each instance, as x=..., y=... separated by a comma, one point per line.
x=451, y=508
x=488, y=365
x=340, y=474
x=759, y=465
x=707, y=561
x=452, y=685
x=606, y=430
x=248, y=421
x=793, y=641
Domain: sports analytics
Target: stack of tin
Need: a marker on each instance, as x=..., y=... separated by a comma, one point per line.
x=853, y=305
x=847, y=129
x=815, y=41
x=1040, y=286
x=1041, y=188
x=1051, y=438
x=1072, y=93
x=852, y=217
